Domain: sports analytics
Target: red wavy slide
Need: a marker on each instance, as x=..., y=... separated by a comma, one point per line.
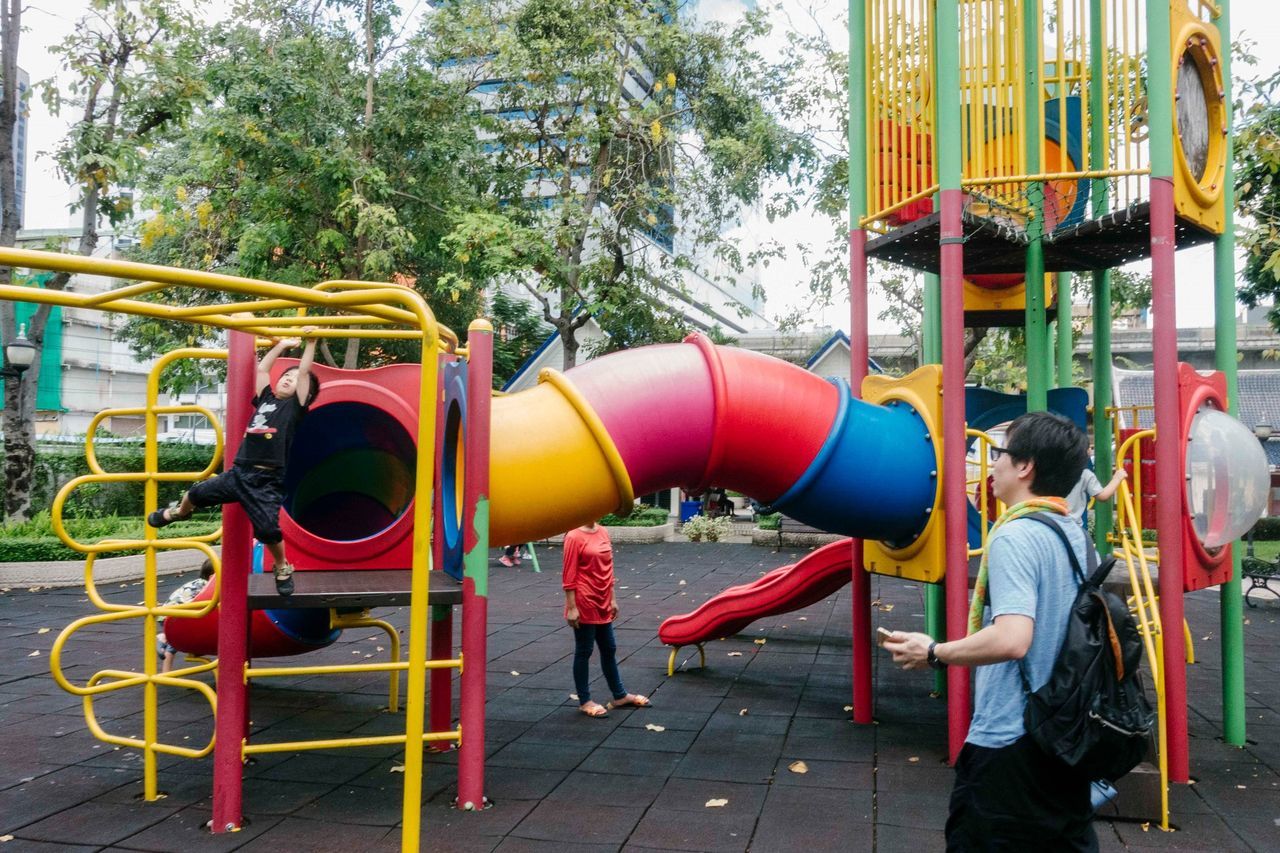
x=782, y=590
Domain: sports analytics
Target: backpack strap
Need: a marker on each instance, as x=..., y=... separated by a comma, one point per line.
x=1091, y=555
x=1091, y=558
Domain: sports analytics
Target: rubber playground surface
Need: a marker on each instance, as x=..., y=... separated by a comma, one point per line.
x=754, y=752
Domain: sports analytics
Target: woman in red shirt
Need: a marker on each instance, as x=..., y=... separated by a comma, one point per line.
x=590, y=607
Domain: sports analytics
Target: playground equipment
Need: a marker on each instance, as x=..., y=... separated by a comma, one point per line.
x=1086, y=134
x=1053, y=159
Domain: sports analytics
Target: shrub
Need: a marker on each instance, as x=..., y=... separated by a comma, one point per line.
x=769, y=521
x=58, y=462
x=712, y=529
x=641, y=516
x=34, y=540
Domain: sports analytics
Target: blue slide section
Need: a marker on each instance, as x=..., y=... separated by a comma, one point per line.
x=875, y=476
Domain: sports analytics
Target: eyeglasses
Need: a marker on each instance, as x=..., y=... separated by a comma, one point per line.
x=996, y=451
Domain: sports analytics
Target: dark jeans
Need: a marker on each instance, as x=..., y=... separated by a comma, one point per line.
x=584, y=637
x=1017, y=798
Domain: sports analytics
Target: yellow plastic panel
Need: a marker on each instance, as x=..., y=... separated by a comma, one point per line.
x=550, y=468
x=1012, y=298
x=925, y=558
x=1200, y=119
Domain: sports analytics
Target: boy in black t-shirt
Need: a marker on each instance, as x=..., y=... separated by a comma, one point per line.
x=256, y=478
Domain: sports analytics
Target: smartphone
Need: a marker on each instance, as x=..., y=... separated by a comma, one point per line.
x=883, y=634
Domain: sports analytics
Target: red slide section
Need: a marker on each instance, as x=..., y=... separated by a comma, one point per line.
x=782, y=590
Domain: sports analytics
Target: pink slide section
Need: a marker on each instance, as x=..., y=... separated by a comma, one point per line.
x=782, y=590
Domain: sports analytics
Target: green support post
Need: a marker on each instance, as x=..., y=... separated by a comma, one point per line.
x=1231, y=603
x=1066, y=335
x=1037, y=328
x=1103, y=513
x=935, y=619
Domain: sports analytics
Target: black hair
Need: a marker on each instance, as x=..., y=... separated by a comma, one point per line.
x=313, y=392
x=206, y=569
x=1058, y=448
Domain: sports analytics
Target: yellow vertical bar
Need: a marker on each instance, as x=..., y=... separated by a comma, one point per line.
x=415, y=706
x=895, y=98
x=873, y=187
x=911, y=97
x=151, y=463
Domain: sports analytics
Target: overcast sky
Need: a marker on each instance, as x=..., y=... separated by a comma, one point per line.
x=48, y=198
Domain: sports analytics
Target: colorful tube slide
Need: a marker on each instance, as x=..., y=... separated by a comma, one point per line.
x=782, y=590
x=584, y=443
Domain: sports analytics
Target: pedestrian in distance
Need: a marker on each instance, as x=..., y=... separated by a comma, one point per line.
x=1009, y=793
x=590, y=608
x=256, y=478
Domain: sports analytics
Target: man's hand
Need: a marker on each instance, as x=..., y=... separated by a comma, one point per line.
x=909, y=649
x=571, y=616
x=613, y=609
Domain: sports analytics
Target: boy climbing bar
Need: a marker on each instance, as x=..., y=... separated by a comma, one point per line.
x=256, y=478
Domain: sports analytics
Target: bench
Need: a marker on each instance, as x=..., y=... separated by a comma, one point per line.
x=1260, y=574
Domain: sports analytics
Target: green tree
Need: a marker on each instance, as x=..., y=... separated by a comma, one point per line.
x=328, y=149
x=623, y=139
x=1257, y=174
x=517, y=332
x=130, y=79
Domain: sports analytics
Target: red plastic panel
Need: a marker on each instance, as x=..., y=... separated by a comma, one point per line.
x=1200, y=568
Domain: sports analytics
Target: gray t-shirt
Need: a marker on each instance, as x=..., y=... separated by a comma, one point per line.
x=1028, y=575
x=1085, y=488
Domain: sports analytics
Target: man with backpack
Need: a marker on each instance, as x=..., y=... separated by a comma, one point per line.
x=1010, y=794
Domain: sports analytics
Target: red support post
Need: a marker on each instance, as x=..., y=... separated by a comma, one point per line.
x=475, y=583
x=231, y=723
x=859, y=355
x=959, y=701
x=1164, y=350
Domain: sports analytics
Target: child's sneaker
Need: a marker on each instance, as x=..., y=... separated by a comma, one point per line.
x=506, y=561
x=284, y=579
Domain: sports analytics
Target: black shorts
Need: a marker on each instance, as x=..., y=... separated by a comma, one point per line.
x=1017, y=798
x=259, y=491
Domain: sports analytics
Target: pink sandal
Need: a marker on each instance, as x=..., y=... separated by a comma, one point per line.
x=594, y=709
x=635, y=700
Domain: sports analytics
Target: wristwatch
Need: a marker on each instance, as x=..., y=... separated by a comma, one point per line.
x=932, y=657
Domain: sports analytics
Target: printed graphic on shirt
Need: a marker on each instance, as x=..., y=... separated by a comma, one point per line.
x=259, y=426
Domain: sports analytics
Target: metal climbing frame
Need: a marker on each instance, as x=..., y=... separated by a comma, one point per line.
x=339, y=309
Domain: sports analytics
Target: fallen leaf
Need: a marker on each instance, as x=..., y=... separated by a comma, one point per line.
x=381, y=649
x=1240, y=787
x=759, y=641
x=1146, y=827
x=355, y=653
x=798, y=767
x=682, y=583
x=915, y=759
x=711, y=804
x=515, y=672
x=885, y=608
x=654, y=728
x=573, y=696
x=804, y=618
x=43, y=631
x=399, y=768
x=735, y=654
x=10, y=837
x=742, y=713
x=848, y=707
x=34, y=654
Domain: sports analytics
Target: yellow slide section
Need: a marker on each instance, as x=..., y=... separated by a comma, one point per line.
x=552, y=465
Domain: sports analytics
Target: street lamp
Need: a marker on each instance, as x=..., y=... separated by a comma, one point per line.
x=19, y=353
x=1262, y=431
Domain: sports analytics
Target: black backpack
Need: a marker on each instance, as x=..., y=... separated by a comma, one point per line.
x=1093, y=713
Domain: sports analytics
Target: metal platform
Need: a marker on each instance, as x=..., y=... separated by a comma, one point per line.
x=363, y=588
x=992, y=247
